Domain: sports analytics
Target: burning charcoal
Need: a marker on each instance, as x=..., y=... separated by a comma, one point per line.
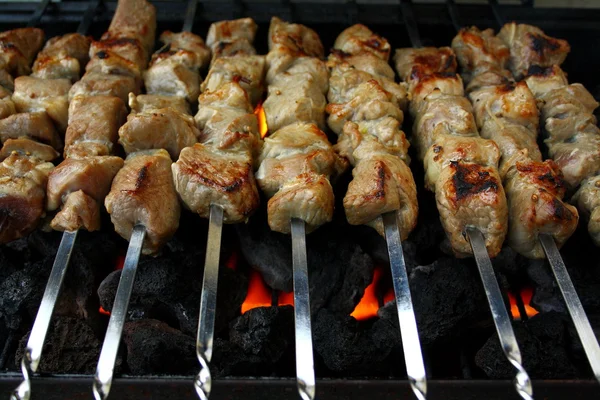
x=267, y=332
x=351, y=347
x=230, y=360
x=71, y=347
x=543, y=342
x=448, y=298
x=268, y=252
x=153, y=347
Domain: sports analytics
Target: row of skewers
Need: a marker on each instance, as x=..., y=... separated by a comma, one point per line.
x=486, y=187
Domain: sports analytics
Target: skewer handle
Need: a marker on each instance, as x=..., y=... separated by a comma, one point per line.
x=413, y=357
x=208, y=302
x=305, y=366
x=110, y=347
x=35, y=344
x=580, y=319
x=506, y=334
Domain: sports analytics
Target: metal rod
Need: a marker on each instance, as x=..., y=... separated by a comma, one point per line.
x=496, y=11
x=305, y=366
x=35, y=344
x=454, y=14
x=506, y=334
x=413, y=357
x=190, y=16
x=37, y=15
x=88, y=17
x=110, y=347
x=411, y=23
x=208, y=302
x=580, y=319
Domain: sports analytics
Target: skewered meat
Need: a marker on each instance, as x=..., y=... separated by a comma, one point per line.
x=467, y=185
x=174, y=70
x=99, y=84
x=142, y=192
x=29, y=148
x=587, y=200
x=93, y=125
x=232, y=38
x=22, y=192
x=62, y=57
x=36, y=125
x=117, y=57
x=43, y=95
x=134, y=19
x=219, y=170
x=158, y=128
x=507, y=113
x=7, y=107
x=297, y=160
x=529, y=46
x=80, y=185
x=365, y=111
x=17, y=49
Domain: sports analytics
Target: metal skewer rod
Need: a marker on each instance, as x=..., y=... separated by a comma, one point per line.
x=508, y=340
x=190, y=15
x=39, y=12
x=413, y=357
x=580, y=319
x=208, y=303
x=35, y=344
x=305, y=366
x=110, y=347
x=506, y=334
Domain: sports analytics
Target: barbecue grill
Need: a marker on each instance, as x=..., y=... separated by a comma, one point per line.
x=398, y=21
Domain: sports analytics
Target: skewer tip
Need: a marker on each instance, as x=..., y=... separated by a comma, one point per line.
x=203, y=381
x=100, y=389
x=419, y=388
x=306, y=390
x=522, y=381
x=23, y=391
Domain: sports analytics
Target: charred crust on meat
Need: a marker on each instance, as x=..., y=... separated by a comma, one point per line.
x=340, y=53
x=537, y=70
x=506, y=88
x=102, y=54
x=470, y=180
x=142, y=175
x=542, y=43
x=380, y=193
x=560, y=211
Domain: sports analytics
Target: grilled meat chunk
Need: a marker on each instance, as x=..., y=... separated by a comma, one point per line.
x=205, y=175
x=117, y=57
x=62, y=57
x=43, y=95
x=298, y=39
x=416, y=63
x=174, y=69
x=78, y=211
x=530, y=46
x=232, y=38
x=35, y=125
x=28, y=148
x=359, y=39
x=149, y=102
x=18, y=47
x=99, y=84
x=7, y=107
x=134, y=19
x=248, y=71
x=295, y=163
x=143, y=193
x=22, y=192
x=93, y=125
x=587, y=199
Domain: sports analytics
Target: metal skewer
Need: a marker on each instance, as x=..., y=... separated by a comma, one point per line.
x=508, y=340
x=208, y=302
x=39, y=12
x=110, y=347
x=506, y=334
x=305, y=366
x=35, y=344
x=413, y=357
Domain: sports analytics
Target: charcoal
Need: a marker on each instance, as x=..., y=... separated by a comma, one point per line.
x=354, y=348
x=168, y=288
x=267, y=332
x=71, y=347
x=230, y=360
x=448, y=298
x=268, y=252
x=543, y=341
x=153, y=347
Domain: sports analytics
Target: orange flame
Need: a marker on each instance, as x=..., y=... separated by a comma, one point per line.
x=259, y=295
x=526, y=295
x=285, y=299
x=259, y=111
x=369, y=304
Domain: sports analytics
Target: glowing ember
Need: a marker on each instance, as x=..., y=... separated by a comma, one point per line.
x=262, y=120
x=526, y=295
x=103, y=311
x=259, y=295
x=232, y=261
x=389, y=296
x=285, y=299
x=369, y=304
x=120, y=262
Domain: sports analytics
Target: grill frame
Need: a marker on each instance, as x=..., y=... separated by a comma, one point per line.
x=63, y=16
